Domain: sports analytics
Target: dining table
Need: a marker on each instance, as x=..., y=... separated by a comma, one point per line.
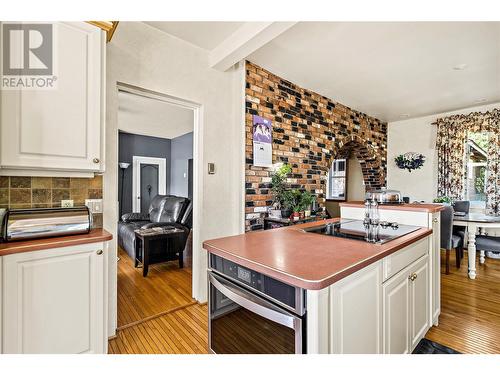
x=476, y=223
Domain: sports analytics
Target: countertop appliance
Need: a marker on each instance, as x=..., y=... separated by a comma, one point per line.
x=25, y=224
x=358, y=230
x=385, y=196
x=251, y=313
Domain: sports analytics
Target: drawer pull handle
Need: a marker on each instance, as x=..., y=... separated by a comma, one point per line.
x=413, y=276
x=96, y=161
x=99, y=252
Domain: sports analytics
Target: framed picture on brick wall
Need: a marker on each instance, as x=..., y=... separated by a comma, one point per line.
x=262, y=142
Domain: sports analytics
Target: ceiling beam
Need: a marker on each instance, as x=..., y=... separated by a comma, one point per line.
x=244, y=41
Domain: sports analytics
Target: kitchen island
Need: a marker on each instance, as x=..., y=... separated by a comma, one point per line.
x=357, y=297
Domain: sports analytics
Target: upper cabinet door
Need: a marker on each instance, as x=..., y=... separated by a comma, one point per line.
x=59, y=128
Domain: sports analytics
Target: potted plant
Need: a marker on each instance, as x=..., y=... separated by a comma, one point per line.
x=444, y=199
x=289, y=203
x=307, y=200
x=279, y=187
x=298, y=206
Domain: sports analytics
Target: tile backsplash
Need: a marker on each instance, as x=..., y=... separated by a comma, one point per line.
x=43, y=192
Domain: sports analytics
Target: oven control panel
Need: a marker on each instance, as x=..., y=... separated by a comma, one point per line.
x=270, y=287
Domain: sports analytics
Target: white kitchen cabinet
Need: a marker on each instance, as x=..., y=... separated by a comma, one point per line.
x=430, y=220
x=435, y=267
x=382, y=308
x=406, y=307
x=51, y=131
x=54, y=300
x=419, y=301
x=396, y=302
x=356, y=318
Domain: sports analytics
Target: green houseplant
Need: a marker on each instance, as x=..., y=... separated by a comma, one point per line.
x=443, y=199
x=307, y=200
x=279, y=187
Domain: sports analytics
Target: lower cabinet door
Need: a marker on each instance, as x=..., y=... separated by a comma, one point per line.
x=54, y=301
x=419, y=295
x=356, y=313
x=396, y=305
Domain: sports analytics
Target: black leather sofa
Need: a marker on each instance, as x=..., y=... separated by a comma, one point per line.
x=164, y=210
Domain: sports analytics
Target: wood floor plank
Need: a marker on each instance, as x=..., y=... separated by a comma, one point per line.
x=166, y=287
x=470, y=309
x=469, y=321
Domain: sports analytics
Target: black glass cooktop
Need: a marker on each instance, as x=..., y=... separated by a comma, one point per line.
x=358, y=230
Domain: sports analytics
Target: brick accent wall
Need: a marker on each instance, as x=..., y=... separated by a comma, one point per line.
x=309, y=131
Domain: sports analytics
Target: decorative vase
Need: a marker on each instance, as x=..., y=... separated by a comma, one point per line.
x=307, y=213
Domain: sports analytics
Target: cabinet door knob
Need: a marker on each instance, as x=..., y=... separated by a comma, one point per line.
x=413, y=276
x=99, y=252
x=435, y=220
x=96, y=161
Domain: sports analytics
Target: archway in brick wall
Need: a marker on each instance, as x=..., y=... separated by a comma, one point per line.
x=371, y=163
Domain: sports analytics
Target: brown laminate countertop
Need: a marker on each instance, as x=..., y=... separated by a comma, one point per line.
x=95, y=235
x=422, y=207
x=306, y=260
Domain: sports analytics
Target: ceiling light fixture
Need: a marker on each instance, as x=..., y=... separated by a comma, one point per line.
x=460, y=67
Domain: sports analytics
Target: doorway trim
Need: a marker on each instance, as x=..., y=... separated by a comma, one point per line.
x=199, y=283
x=136, y=178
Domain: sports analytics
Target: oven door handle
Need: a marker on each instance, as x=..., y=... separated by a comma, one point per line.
x=254, y=303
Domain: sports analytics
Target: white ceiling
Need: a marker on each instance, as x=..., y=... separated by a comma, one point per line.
x=146, y=116
x=391, y=70
x=206, y=35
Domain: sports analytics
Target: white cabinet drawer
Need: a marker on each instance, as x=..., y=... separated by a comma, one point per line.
x=402, y=258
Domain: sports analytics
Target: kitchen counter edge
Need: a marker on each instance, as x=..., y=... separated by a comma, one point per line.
x=14, y=247
x=335, y=276
x=421, y=207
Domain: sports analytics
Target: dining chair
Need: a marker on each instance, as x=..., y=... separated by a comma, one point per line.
x=487, y=243
x=460, y=230
x=449, y=240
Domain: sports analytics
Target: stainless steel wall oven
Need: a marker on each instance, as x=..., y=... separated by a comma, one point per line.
x=251, y=313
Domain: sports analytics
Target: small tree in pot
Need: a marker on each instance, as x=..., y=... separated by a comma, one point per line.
x=307, y=200
x=279, y=187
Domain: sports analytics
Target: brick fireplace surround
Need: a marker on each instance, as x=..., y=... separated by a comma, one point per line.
x=309, y=131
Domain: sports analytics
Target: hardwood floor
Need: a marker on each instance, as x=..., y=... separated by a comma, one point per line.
x=166, y=287
x=469, y=321
x=470, y=309
x=180, y=332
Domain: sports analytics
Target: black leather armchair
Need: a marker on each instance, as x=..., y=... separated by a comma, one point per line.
x=164, y=210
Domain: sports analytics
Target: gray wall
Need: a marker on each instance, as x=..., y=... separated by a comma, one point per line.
x=130, y=145
x=181, y=151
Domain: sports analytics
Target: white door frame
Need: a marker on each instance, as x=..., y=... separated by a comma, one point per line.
x=136, y=178
x=199, y=283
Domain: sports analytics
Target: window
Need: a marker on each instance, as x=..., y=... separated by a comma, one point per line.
x=337, y=189
x=476, y=154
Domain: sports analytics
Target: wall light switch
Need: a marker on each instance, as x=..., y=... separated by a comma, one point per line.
x=211, y=168
x=94, y=205
x=67, y=203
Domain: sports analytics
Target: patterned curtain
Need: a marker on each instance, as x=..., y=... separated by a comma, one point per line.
x=452, y=135
x=451, y=138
